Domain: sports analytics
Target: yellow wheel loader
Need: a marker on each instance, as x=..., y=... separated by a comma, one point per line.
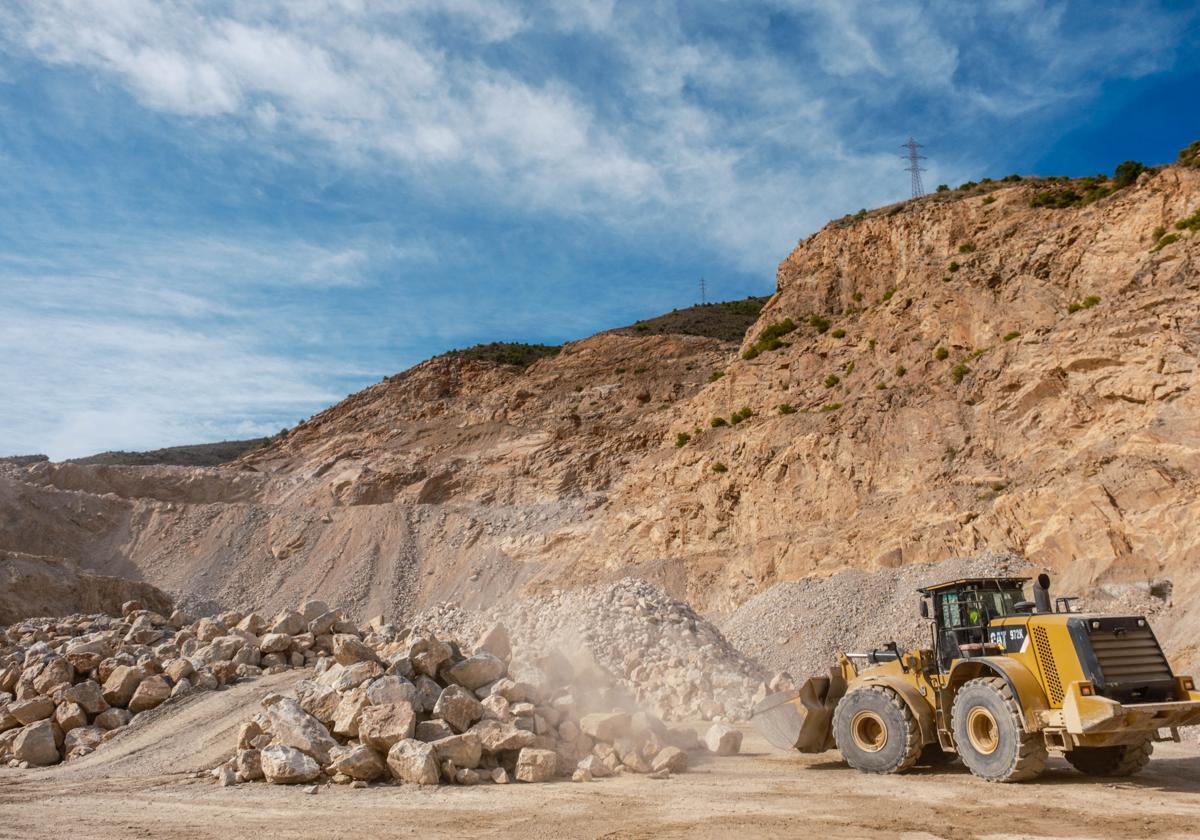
x=1004, y=682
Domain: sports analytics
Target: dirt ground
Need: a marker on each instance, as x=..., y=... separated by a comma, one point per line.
x=149, y=783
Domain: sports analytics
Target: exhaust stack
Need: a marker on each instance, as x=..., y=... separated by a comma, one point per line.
x=1041, y=593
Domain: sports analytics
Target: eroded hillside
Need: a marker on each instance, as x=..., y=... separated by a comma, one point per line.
x=943, y=376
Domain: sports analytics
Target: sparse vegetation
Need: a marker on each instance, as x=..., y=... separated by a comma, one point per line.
x=941, y=353
x=739, y=416
x=718, y=422
x=1011, y=335
x=769, y=338
x=888, y=294
x=818, y=323
x=513, y=353
x=640, y=369
x=988, y=199
x=838, y=333
x=1087, y=303
x=943, y=188
x=681, y=439
x=831, y=380
x=727, y=321
x=719, y=467
x=787, y=408
x=871, y=344
x=850, y=366
x=620, y=370
x=1190, y=156
x=954, y=266
x=1191, y=222
x=1160, y=244
x=901, y=370
x=966, y=248
x=959, y=371
x=1083, y=191
x=831, y=407
x=715, y=375
x=880, y=386
x=1126, y=173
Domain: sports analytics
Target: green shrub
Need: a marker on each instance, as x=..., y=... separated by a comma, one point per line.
x=941, y=353
x=879, y=386
x=715, y=375
x=871, y=344
x=719, y=467
x=969, y=185
x=1158, y=233
x=1010, y=336
x=838, y=333
x=818, y=323
x=888, y=294
x=642, y=327
x=901, y=370
x=718, y=422
x=768, y=339
x=1158, y=246
x=1087, y=303
x=954, y=266
x=1191, y=155
x=681, y=439
x=850, y=367
x=831, y=380
x=959, y=371
x=943, y=188
x=966, y=248
x=739, y=416
x=1191, y=222
x=831, y=406
x=1126, y=173
x=640, y=369
x=857, y=297
x=620, y=370
x=787, y=408
x=988, y=199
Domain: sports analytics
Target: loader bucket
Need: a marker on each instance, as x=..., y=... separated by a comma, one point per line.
x=802, y=719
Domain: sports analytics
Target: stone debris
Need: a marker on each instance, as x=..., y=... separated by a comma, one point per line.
x=668, y=658
x=408, y=707
x=69, y=684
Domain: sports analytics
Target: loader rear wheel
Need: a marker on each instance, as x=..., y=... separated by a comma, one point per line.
x=989, y=736
x=1121, y=760
x=876, y=731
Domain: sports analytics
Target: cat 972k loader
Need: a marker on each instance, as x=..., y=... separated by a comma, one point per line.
x=1004, y=681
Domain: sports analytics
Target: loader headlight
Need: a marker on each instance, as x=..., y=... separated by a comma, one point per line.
x=1188, y=684
x=1095, y=625
x=1141, y=622
x=1086, y=689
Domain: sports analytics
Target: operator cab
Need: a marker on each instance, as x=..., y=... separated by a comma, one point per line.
x=962, y=610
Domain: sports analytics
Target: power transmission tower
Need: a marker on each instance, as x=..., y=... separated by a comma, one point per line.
x=702, y=291
x=914, y=166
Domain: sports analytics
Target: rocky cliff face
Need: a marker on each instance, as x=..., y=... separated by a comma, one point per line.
x=963, y=374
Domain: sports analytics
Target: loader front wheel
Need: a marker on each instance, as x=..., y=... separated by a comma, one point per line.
x=1122, y=760
x=989, y=736
x=876, y=731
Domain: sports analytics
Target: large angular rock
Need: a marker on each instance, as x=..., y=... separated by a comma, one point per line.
x=120, y=685
x=151, y=692
x=113, y=718
x=391, y=689
x=414, y=761
x=427, y=655
x=476, y=671
x=312, y=608
x=320, y=701
x=496, y=736
x=70, y=716
x=82, y=740
x=89, y=695
x=496, y=642
x=220, y=649
x=284, y=765
x=291, y=726
x=433, y=730
x=349, y=712
x=428, y=693
x=380, y=727
x=606, y=727
x=534, y=765
x=723, y=739
x=248, y=765
x=36, y=744
x=56, y=673
x=31, y=710
x=670, y=758
x=361, y=762
x=289, y=623
x=355, y=675
x=462, y=750
x=275, y=643
x=458, y=707
x=348, y=649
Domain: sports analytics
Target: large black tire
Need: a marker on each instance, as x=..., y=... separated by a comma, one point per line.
x=988, y=734
x=1122, y=760
x=875, y=730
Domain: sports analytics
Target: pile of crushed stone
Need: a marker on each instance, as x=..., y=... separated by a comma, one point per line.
x=676, y=664
x=800, y=626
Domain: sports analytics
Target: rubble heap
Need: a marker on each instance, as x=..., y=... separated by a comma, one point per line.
x=673, y=661
x=401, y=706
x=69, y=684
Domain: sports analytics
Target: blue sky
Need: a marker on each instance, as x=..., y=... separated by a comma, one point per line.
x=219, y=218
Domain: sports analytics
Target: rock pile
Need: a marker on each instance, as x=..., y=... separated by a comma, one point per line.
x=406, y=706
x=69, y=684
x=671, y=660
